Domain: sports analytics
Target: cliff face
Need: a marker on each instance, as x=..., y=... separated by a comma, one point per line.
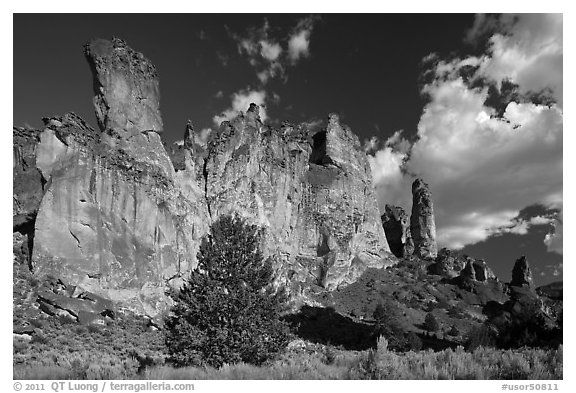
x=312, y=193
x=118, y=218
x=110, y=223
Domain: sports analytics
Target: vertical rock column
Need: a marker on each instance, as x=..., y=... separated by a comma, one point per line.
x=521, y=274
x=422, y=225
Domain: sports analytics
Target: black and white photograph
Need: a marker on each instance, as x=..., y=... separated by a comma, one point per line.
x=286, y=196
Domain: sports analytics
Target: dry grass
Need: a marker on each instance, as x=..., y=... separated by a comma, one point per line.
x=482, y=363
x=304, y=361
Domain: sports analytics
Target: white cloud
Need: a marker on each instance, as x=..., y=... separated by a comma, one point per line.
x=529, y=52
x=270, y=56
x=553, y=240
x=270, y=50
x=387, y=173
x=521, y=227
x=488, y=165
x=241, y=101
x=298, y=45
x=482, y=168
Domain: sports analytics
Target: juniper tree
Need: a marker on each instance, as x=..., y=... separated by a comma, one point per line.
x=227, y=311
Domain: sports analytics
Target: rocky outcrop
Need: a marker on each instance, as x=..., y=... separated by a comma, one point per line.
x=114, y=225
x=448, y=264
x=126, y=88
x=468, y=273
x=521, y=274
x=396, y=226
x=482, y=270
x=463, y=270
x=112, y=219
x=119, y=220
x=422, y=224
x=28, y=184
x=311, y=191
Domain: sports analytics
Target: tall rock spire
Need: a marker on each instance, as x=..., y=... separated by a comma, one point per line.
x=422, y=224
x=521, y=273
x=126, y=88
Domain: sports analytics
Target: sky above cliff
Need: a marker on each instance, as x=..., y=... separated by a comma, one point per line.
x=471, y=103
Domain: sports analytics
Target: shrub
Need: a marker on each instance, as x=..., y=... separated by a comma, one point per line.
x=227, y=312
x=431, y=323
x=481, y=336
x=453, y=331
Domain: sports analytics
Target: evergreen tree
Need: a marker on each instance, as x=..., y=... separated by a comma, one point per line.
x=227, y=311
x=431, y=323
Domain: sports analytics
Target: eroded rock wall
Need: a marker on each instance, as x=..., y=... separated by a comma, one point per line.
x=120, y=219
x=313, y=197
x=111, y=224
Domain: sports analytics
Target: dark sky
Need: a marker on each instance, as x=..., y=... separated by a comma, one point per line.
x=366, y=67
x=360, y=65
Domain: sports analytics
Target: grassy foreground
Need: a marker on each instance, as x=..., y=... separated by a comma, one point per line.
x=313, y=361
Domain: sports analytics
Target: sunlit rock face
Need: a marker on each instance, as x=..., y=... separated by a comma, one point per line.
x=126, y=88
x=422, y=223
x=122, y=219
x=109, y=223
x=112, y=219
x=310, y=190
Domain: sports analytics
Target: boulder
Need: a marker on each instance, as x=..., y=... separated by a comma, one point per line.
x=396, y=226
x=422, y=224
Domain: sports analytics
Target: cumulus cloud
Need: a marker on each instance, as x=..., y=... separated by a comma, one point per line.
x=298, y=45
x=528, y=51
x=484, y=165
x=269, y=55
x=484, y=169
x=388, y=172
x=521, y=226
x=553, y=240
x=241, y=101
x=299, y=41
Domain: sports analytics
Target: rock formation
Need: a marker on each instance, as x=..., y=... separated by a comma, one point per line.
x=311, y=191
x=468, y=273
x=521, y=274
x=27, y=190
x=126, y=88
x=110, y=223
x=119, y=220
x=448, y=264
x=422, y=224
x=482, y=270
x=397, y=229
